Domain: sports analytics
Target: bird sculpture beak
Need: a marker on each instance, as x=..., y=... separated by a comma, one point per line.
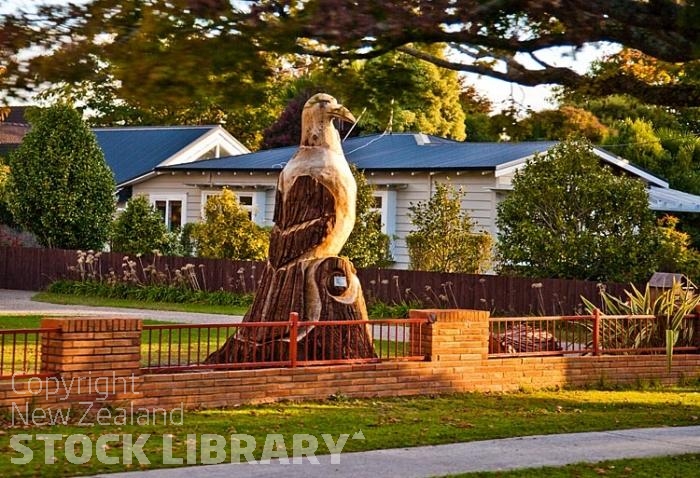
x=341, y=112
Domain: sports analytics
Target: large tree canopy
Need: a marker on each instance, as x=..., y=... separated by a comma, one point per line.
x=208, y=55
x=161, y=58
x=503, y=39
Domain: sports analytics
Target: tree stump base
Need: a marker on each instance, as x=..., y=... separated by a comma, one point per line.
x=319, y=290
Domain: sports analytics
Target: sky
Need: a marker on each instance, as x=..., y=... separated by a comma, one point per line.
x=501, y=93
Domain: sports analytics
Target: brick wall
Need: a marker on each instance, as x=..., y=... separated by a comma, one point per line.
x=456, y=347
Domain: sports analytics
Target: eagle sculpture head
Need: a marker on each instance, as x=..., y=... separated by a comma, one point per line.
x=317, y=121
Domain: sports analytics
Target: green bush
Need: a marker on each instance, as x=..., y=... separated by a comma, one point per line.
x=228, y=233
x=61, y=188
x=570, y=217
x=139, y=229
x=444, y=239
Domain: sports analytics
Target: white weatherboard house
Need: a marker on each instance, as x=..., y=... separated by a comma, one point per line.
x=404, y=168
x=133, y=153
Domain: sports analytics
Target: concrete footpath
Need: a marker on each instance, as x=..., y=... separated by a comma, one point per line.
x=489, y=455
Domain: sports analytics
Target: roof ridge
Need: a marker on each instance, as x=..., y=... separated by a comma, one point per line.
x=162, y=127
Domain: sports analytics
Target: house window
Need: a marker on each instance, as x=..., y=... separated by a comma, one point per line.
x=385, y=204
x=171, y=209
x=377, y=204
x=246, y=202
x=211, y=154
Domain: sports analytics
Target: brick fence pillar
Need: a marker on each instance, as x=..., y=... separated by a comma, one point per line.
x=99, y=357
x=454, y=334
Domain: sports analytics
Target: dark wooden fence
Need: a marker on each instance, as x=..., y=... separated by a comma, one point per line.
x=34, y=269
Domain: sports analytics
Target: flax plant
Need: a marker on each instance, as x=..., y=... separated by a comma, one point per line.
x=669, y=307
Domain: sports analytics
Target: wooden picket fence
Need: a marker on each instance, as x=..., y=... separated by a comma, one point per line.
x=35, y=268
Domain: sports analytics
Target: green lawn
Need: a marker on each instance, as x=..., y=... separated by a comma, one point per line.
x=137, y=304
x=681, y=466
x=25, y=357
x=385, y=423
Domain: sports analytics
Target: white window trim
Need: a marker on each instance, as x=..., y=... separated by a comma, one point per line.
x=387, y=211
x=388, y=216
x=171, y=197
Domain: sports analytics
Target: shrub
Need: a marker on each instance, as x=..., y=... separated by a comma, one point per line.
x=570, y=217
x=61, y=189
x=228, y=233
x=444, y=239
x=139, y=229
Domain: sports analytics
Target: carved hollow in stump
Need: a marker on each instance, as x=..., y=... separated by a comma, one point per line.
x=314, y=216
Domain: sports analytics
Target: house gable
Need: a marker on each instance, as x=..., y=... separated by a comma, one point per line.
x=133, y=153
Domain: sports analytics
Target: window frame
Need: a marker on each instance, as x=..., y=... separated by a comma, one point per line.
x=169, y=198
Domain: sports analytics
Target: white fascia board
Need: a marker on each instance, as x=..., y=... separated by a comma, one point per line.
x=630, y=168
x=511, y=166
x=504, y=187
x=137, y=179
x=216, y=136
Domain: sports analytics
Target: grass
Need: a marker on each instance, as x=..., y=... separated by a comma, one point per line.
x=676, y=466
x=25, y=357
x=137, y=304
x=34, y=321
x=385, y=423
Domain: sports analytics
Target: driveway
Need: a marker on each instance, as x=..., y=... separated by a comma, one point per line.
x=13, y=302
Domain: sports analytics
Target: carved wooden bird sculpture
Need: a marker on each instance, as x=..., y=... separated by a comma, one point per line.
x=316, y=192
x=314, y=216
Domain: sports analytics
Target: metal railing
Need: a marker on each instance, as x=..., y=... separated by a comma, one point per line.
x=594, y=334
x=175, y=347
x=20, y=353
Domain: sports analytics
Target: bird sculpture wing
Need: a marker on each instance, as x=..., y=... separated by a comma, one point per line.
x=304, y=216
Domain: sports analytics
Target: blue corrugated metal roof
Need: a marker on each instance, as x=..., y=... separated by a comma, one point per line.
x=131, y=152
x=391, y=152
x=672, y=200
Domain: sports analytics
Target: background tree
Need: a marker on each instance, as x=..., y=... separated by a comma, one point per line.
x=5, y=212
x=562, y=123
x=499, y=39
x=393, y=91
x=367, y=245
x=228, y=233
x=477, y=109
x=568, y=216
x=139, y=229
x=675, y=253
x=286, y=130
x=401, y=92
x=61, y=188
x=444, y=238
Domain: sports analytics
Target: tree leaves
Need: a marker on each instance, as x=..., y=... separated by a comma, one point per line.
x=61, y=187
x=444, y=239
x=568, y=216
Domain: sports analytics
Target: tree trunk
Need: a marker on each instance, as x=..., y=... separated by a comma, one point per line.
x=324, y=289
